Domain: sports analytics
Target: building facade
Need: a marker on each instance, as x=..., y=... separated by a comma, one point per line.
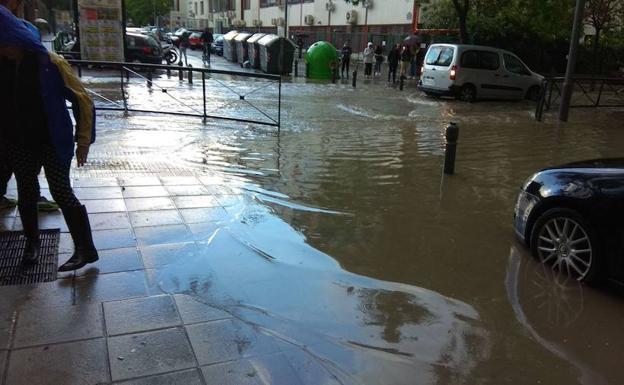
x=313, y=17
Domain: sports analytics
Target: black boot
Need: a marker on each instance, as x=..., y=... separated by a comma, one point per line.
x=30, y=221
x=80, y=229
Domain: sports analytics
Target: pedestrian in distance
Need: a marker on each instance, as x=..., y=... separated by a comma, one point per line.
x=345, y=54
x=38, y=130
x=43, y=204
x=414, y=49
x=207, y=40
x=379, y=58
x=406, y=59
x=369, y=56
x=394, y=56
x=184, y=44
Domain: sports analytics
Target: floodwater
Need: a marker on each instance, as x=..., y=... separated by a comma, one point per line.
x=345, y=242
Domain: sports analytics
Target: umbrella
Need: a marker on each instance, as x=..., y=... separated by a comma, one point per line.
x=412, y=40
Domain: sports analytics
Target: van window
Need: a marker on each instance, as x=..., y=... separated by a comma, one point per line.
x=514, y=65
x=440, y=56
x=484, y=60
x=489, y=60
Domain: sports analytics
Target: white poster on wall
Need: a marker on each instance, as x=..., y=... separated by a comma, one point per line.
x=101, y=30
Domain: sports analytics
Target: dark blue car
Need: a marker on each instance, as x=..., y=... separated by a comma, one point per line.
x=572, y=218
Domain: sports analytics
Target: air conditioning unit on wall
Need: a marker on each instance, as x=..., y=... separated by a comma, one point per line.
x=231, y=14
x=238, y=23
x=352, y=16
x=309, y=19
x=330, y=6
x=279, y=21
x=256, y=23
x=368, y=4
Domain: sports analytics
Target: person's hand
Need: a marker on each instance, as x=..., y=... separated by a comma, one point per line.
x=82, y=152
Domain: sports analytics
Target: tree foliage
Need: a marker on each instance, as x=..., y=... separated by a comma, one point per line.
x=142, y=12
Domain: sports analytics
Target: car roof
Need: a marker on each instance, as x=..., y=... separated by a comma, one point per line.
x=466, y=47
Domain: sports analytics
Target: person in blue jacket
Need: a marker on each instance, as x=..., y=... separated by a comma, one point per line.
x=37, y=130
x=43, y=204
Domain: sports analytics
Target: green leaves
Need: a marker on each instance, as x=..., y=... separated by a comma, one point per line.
x=142, y=12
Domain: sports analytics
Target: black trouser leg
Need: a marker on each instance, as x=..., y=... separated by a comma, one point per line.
x=75, y=214
x=26, y=165
x=5, y=177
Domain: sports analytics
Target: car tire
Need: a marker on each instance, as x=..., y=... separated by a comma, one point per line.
x=563, y=239
x=468, y=93
x=533, y=93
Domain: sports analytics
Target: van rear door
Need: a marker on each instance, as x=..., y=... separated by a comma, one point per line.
x=438, y=67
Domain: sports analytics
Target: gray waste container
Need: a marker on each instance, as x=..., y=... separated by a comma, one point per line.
x=241, y=46
x=253, y=49
x=229, y=46
x=276, y=54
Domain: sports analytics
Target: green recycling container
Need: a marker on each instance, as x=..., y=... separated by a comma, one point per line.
x=321, y=59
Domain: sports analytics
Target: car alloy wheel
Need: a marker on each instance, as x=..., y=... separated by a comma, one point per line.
x=562, y=240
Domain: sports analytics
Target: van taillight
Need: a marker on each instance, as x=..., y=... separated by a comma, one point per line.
x=147, y=50
x=453, y=72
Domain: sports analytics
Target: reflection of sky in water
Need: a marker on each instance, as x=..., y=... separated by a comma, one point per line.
x=373, y=332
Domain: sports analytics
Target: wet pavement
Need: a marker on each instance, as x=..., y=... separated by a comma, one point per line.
x=334, y=252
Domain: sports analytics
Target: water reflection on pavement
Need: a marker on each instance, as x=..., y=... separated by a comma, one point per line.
x=343, y=240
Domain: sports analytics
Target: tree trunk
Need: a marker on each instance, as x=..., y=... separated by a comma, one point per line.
x=463, y=29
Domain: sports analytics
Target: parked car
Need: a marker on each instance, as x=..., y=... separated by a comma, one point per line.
x=217, y=44
x=470, y=72
x=195, y=40
x=571, y=218
x=140, y=48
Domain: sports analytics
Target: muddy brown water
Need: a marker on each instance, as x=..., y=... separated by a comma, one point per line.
x=345, y=242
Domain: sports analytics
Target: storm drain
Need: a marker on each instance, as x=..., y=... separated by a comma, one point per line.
x=12, y=272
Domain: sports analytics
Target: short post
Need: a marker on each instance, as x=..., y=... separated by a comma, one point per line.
x=180, y=73
x=168, y=72
x=149, y=78
x=190, y=76
x=452, y=134
x=334, y=74
x=401, y=82
x=354, y=79
x=79, y=71
x=296, y=68
x=127, y=75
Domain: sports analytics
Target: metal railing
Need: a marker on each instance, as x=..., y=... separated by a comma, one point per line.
x=213, y=83
x=588, y=92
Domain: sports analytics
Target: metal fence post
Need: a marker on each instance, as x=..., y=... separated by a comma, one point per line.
x=296, y=68
x=149, y=78
x=123, y=91
x=190, y=75
x=204, y=92
x=180, y=73
x=354, y=78
x=279, y=107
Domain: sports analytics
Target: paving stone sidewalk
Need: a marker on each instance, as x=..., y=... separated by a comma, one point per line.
x=109, y=324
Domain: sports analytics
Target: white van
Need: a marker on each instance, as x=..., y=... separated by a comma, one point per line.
x=470, y=72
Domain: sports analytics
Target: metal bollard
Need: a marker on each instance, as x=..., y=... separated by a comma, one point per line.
x=149, y=78
x=354, y=78
x=190, y=80
x=334, y=75
x=296, y=68
x=452, y=134
x=401, y=82
x=180, y=73
x=168, y=72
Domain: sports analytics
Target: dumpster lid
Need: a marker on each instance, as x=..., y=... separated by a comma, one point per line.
x=271, y=39
x=242, y=36
x=256, y=37
x=230, y=35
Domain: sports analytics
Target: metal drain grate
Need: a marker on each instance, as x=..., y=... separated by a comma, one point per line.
x=12, y=244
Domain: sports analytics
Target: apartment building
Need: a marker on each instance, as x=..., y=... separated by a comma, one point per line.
x=304, y=16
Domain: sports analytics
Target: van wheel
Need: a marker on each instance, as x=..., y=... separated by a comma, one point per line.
x=468, y=93
x=533, y=93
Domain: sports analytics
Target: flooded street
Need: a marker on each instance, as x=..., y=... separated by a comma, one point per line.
x=341, y=238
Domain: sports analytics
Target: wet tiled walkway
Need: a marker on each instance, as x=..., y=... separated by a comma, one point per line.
x=109, y=323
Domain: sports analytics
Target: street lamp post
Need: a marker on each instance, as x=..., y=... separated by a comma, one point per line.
x=286, y=19
x=568, y=83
